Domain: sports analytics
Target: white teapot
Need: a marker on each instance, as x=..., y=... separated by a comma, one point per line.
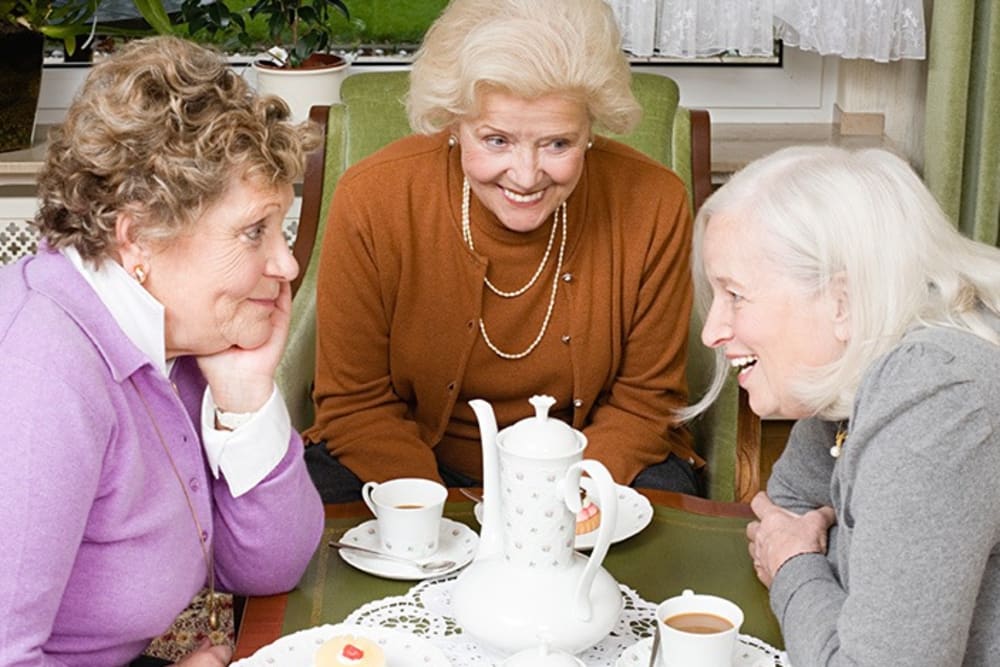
x=527, y=586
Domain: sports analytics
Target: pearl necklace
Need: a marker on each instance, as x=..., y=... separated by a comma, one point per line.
x=467, y=235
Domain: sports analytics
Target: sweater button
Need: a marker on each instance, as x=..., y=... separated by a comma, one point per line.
x=567, y=277
x=565, y=339
x=194, y=484
x=577, y=402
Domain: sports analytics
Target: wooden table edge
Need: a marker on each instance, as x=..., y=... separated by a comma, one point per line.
x=264, y=617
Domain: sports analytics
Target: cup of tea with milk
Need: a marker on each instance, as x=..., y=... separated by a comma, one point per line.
x=408, y=514
x=697, y=630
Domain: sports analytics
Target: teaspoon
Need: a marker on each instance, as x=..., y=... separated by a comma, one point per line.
x=429, y=566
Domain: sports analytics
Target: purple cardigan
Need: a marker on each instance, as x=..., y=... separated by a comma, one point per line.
x=98, y=549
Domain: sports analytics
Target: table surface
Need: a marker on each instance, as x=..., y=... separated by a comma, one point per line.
x=691, y=543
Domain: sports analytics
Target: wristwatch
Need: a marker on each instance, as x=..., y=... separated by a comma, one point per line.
x=230, y=421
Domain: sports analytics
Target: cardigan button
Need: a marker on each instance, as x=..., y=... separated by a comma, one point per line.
x=567, y=277
x=577, y=402
x=194, y=484
x=565, y=339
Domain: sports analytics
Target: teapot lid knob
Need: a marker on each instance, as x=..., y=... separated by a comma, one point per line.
x=542, y=405
x=541, y=434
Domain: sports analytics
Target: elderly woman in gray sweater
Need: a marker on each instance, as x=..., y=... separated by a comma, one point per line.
x=844, y=298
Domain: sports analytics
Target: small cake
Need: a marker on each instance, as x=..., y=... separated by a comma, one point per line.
x=588, y=518
x=350, y=650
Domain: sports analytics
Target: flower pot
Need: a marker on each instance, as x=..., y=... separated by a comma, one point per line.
x=20, y=80
x=317, y=81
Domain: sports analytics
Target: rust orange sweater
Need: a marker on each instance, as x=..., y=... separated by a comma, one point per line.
x=400, y=294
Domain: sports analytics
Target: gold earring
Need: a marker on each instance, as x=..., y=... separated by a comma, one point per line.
x=139, y=273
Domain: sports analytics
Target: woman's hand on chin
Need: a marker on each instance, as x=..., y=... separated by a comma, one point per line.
x=241, y=379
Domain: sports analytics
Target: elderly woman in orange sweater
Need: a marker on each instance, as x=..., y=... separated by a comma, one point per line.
x=505, y=250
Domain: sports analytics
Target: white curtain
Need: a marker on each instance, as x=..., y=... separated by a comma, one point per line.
x=881, y=30
x=700, y=28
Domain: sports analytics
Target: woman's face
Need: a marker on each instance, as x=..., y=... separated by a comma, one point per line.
x=219, y=281
x=523, y=157
x=771, y=328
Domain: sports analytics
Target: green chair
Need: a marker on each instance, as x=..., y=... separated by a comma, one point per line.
x=371, y=114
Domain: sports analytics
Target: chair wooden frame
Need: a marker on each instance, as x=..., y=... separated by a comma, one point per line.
x=748, y=453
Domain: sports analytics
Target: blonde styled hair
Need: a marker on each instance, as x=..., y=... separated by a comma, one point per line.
x=528, y=48
x=159, y=130
x=823, y=213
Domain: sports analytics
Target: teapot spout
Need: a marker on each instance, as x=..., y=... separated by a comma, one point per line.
x=490, y=534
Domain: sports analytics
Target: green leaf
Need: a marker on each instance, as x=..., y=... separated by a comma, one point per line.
x=156, y=15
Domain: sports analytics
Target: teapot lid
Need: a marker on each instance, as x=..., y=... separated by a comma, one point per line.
x=542, y=656
x=541, y=435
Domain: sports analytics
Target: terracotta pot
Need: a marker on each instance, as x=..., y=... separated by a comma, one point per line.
x=20, y=80
x=317, y=81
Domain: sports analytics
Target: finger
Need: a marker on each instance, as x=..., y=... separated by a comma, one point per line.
x=223, y=652
x=762, y=574
x=285, y=298
x=761, y=504
x=828, y=514
x=752, y=529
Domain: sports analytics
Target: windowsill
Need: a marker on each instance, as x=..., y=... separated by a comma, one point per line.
x=734, y=145
x=21, y=167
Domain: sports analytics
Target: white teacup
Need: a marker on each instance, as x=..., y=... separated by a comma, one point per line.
x=697, y=631
x=408, y=511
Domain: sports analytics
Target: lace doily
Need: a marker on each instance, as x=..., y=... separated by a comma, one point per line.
x=426, y=611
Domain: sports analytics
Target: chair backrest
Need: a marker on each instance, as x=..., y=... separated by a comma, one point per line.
x=371, y=114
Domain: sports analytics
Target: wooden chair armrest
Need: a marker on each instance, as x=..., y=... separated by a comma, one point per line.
x=312, y=198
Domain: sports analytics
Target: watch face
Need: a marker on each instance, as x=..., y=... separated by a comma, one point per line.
x=230, y=421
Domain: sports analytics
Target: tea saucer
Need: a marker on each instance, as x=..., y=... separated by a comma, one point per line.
x=634, y=513
x=456, y=542
x=751, y=653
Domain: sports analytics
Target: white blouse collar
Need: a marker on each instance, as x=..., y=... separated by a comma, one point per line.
x=137, y=312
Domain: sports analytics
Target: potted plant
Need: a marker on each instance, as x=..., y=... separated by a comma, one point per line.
x=24, y=26
x=295, y=36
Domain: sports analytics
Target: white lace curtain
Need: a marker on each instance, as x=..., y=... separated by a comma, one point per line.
x=881, y=30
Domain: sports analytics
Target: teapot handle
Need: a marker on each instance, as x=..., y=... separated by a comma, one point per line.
x=607, y=500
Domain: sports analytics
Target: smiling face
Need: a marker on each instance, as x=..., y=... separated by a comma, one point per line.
x=771, y=328
x=219, y=281
x=523, y=157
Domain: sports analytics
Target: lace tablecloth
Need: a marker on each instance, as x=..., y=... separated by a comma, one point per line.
x=425, y=610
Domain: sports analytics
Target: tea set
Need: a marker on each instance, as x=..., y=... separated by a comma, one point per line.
x=547, y=601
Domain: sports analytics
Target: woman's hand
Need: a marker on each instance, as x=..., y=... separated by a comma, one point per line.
x=242, y=380
x=780, y=535
x=207, y=655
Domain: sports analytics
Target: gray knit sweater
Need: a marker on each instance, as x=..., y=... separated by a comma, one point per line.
x=912, y=575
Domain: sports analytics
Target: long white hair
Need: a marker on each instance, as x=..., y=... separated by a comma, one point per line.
x=865, y=215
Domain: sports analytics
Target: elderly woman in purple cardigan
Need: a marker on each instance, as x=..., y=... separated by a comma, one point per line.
x=147, y=453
